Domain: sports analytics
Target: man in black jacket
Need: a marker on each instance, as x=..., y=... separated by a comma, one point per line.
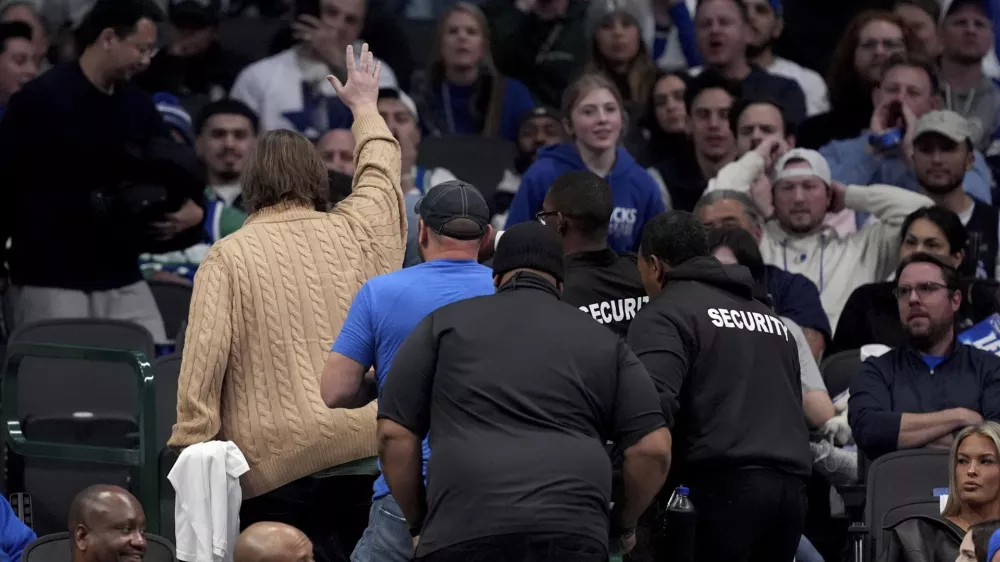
x=599, y=281
x=519, y=409
x=921, y=393
x=727, y=372
x=77, y=156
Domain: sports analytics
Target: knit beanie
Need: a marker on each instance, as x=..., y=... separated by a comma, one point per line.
x=174, y=115
x=529, y=245
x=640, y=10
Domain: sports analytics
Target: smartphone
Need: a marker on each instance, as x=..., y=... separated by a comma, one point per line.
x=307, y=8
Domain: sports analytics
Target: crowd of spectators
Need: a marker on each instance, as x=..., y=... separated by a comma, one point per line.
x=656, y=148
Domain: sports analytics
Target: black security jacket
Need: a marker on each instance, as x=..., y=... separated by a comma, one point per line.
x=726, y=370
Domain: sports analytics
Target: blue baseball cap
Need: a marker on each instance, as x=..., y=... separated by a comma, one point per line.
x=949, y=6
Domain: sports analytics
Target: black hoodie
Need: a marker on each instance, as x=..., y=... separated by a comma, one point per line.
x=726, y=369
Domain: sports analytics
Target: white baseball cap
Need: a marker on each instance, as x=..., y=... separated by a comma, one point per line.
x=816, y=166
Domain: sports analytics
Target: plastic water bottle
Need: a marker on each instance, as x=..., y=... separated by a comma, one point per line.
x=675, y=541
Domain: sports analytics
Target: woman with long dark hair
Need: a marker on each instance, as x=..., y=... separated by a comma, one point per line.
x=620, y=40
x=871, y=314
x=464, y=93
x=856, y=68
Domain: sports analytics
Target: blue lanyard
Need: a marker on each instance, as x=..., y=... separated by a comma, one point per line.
x=822, y=255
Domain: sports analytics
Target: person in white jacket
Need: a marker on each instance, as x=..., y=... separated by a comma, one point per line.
x=753, y=121
x=797, y=240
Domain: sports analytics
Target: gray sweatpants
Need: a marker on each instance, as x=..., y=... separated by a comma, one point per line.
x=133, y=303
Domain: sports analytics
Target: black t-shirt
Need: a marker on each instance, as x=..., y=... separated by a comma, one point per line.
x=606, y=286
x=518, y=410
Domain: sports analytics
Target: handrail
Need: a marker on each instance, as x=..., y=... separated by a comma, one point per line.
x=145, y=458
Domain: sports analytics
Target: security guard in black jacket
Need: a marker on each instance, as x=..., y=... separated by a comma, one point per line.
x=727, y=372
x=519, y=393
x=599, y=281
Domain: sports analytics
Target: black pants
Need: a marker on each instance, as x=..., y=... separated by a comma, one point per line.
x=332, y=512
x=523, y=547
x=748, y=515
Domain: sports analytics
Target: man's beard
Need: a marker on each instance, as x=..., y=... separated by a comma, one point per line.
x=524, y=160
x=228, y=175
x=925, y=341
x=943, y=189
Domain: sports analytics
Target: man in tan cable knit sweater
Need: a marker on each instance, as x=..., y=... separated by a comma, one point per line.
x=269, y=300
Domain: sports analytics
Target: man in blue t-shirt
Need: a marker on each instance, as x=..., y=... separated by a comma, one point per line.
x=453, y=226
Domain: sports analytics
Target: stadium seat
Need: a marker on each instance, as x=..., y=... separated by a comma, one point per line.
x=56, y=548
x=480, y=161
x=173, y=300
x=838, y=370
x=916, y=507
x=99, y=368
x=168, y=370
x=895, y=480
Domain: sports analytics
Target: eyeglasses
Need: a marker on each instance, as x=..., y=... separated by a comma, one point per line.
x=540, y=215
x=903, y=292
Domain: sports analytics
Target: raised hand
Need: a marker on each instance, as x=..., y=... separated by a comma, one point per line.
x=360, y=94
x=770, y=149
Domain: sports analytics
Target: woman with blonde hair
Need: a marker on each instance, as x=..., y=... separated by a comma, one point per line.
x=594, y=116
x=973, y=497
x=464, y=94
x=269, y=301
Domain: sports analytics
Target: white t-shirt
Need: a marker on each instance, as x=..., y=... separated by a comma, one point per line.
x=272, y=87
x=810, y=81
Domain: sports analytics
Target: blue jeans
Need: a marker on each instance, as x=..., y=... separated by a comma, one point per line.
x=387, y=538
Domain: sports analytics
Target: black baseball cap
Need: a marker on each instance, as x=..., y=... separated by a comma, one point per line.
x=539, y=111
x=455, y=209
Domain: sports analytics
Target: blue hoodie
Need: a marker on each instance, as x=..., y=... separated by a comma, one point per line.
x=14, y=535
x=636, y=196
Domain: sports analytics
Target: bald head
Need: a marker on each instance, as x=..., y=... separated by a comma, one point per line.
x=106, y=524
x=273, y=542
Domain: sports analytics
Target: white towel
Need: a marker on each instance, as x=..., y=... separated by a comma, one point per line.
x=206, y=479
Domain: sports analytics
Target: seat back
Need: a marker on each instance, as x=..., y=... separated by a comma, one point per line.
x=56, y=548
x=838, y=370
x=168, y=370
x=96, y=405
x=480, y=161
x=928, y=506
x=102, y=389
x=173, y=300
x=896, y=478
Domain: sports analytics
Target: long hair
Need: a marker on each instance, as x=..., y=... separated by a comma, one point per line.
x=487, y=100
x=989, y=430
x=285, y=168
x=846, y=86
x=641, y=75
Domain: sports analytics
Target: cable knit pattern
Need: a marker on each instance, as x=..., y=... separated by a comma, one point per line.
x=268, y=302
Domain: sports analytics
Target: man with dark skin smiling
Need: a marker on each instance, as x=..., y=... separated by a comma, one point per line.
x=106, y=524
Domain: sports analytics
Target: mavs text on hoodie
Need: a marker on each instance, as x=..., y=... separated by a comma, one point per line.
x=637, y=198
